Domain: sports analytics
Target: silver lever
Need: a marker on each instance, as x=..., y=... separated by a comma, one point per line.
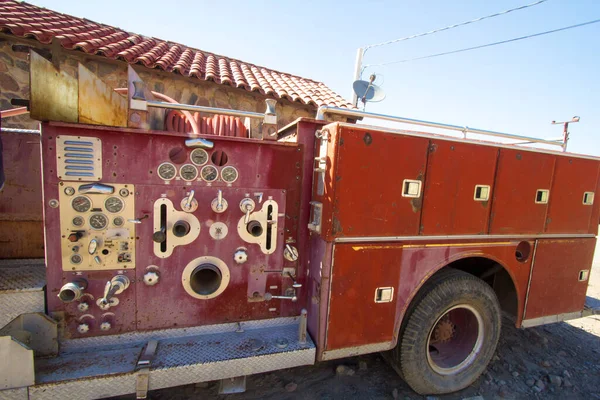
x=188, y=202
x=113, y=287
x=294, y=283
x=269, y=296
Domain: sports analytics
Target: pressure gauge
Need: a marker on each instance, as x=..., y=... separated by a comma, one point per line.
x=114, y=205
x=167, y=171
x=78, y=221
x=98, y=221
x=81, y=204
x=188, y=172
x=118, y=221
x=210, y=173
x=199, y=157
x=229, y=174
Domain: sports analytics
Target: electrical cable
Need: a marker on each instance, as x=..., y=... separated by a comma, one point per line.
x=453, y=26
x=483, y=45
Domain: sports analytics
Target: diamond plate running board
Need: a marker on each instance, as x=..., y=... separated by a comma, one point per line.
x=108, y=370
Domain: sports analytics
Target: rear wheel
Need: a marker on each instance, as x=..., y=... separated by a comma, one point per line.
x=450, y=334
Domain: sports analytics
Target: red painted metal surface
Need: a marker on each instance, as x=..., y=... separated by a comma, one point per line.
x=567, y=213
x=555, y=286
x=449, y=206
x=166, y=304
x=520, y=174
x=355, y=319
x=363, y=194
x=21, y=233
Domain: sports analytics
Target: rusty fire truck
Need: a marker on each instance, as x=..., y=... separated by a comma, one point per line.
x=177, y=258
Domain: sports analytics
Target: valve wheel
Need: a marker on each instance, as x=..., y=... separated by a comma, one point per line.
x=449, y=334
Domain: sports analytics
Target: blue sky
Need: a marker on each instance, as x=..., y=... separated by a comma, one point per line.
x=518, y=88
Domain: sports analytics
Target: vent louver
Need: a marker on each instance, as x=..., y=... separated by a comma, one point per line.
x=78, y=158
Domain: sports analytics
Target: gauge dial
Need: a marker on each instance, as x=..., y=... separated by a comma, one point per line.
x=98, y=221
x=78, y=221
x=199, y=156
x=229, y=174
x=209, y=173
x=114, y=204
x=118, y=221
x=81, y=204
x=167, y=171
x=188, y=172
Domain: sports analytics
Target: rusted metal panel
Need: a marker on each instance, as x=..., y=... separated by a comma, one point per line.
x=21, y=229
x=354, y=317
x=520, y=174
x=363, y=194
x=555, y=287
x=54, y=93
x=98, y=103
x=449, y=204
x=567, y=212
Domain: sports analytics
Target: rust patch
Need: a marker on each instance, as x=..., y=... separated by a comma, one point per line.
x=368, y=139
x=336, y=226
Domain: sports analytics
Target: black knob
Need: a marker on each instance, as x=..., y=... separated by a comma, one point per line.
x=75, y=236
x=159, y=236
x=181, y=228
x=254, y=228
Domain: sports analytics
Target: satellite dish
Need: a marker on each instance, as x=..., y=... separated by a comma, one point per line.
x=366, y=91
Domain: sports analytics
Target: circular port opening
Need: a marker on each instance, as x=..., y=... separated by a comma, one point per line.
x=181, y=228
x=205, y=279
x=67, y=295
x=177, y=155
x=522, y=252
x=219, y=158
x=254, y=228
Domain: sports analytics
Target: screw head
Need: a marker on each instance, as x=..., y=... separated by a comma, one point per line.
x=124, y=192
x=53, y=203
x=69, y=191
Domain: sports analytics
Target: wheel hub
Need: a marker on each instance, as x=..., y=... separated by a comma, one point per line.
x=444, y=331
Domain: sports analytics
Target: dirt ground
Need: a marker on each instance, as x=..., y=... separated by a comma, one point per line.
x=559, y=361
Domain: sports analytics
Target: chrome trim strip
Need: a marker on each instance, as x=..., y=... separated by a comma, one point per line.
x=356, y=350
x=550, y=319
x=371, y=239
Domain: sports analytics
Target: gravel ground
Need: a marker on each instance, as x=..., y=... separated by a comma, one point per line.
x=559, y=361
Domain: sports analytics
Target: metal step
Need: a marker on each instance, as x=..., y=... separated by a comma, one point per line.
x=21, y=288
x=101, y=367
x=592, y=307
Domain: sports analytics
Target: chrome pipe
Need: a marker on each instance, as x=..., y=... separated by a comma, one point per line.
x=210, y=110
x=24, y=131
x=464, y=129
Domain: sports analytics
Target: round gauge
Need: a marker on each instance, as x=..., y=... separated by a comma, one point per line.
x=199, y=156
x=114, y=204
x=98, y=221
x=209, y=173
x=167, y=171
x=118, y=221
x=69, y=191
x=78, y=221
x=76, y=259
x=229, y=174
x=188, y=172
x=81, y=204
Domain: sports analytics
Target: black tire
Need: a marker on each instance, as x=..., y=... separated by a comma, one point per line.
x=450, y=334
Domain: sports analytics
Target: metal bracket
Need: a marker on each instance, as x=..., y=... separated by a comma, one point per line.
x=143, y=369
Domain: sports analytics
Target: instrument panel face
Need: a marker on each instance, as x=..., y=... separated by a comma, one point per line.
x=100, y=217
x=198, y=166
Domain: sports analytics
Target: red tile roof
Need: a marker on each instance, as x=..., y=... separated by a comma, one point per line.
x=29, y=21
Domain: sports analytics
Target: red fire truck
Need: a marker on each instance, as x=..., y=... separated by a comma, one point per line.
x=179, y=258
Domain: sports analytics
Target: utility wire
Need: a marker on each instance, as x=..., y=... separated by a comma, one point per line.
x=453, y=26
x=483, y=45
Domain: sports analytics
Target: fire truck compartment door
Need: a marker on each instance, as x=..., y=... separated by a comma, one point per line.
x=363, y=298
x=559, y=281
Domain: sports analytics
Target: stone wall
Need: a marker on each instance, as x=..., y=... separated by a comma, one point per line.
x=14, y=83
x=21, y=226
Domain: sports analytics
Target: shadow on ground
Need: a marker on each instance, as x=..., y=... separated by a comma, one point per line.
x=553, y=362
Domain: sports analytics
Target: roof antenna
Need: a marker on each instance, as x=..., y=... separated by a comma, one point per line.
x=367, y=91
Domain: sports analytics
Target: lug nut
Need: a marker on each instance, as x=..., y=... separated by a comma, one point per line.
x=83, y=328
x=151, y=278
x=240, y=256
x=83, y=307
x=105, y=326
